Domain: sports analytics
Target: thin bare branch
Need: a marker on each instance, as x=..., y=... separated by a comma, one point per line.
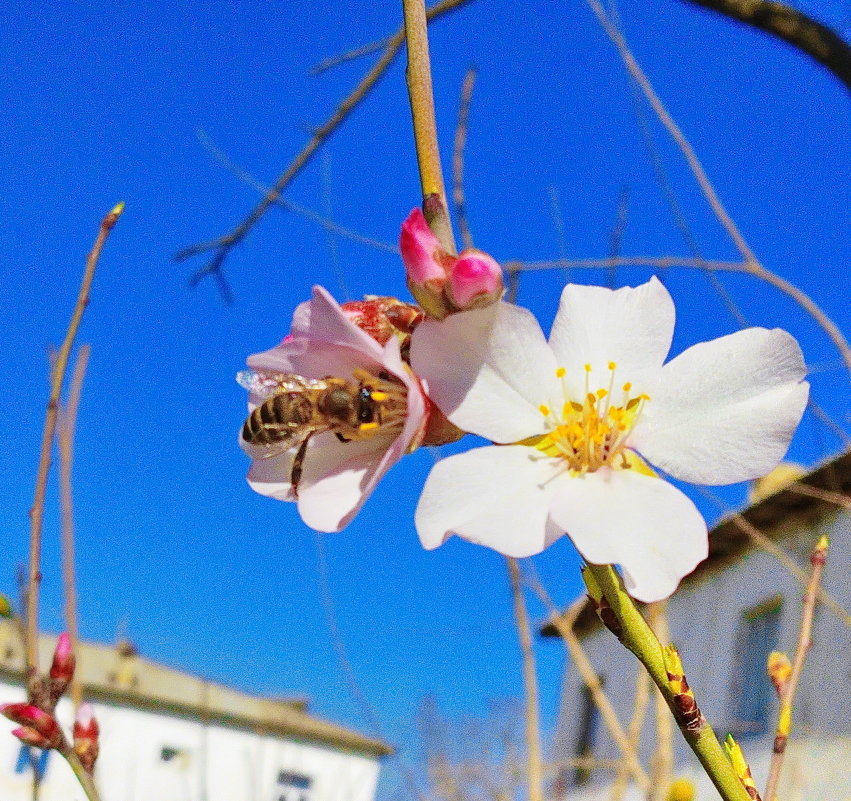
x=57, y=379
x=817, y=560
x=564, y=625
x=349, y=55
x=824, y=495
x=811, y=37
x=67, y=425
x=530, y=682
x=458, y=156
x=752, y=264
x=654, y=262
x=641, y=698
x=222, y=246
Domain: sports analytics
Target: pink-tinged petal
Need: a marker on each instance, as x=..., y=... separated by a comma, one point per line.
x=642, y=523
x=475, y=280
x=631, y=327
x=329, y=324
x=495, y=496
x=338, y=477
x=271, y=477
x=424, y=257
x=489, y=370
x=725, y=410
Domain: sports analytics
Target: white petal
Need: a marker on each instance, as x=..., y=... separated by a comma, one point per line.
x=642, y=523
x=495, y=496
x=328, y=323
x=488, y=370
x=271, y=477
x=725, y=410
x=338, y=477
x=631, y=327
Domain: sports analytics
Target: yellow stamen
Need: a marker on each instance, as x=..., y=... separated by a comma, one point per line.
x=560, y=372
x=544, y=410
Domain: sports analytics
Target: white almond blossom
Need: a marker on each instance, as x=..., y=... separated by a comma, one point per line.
x=575, y=418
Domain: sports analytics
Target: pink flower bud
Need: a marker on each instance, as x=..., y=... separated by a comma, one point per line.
x=35, y=722
x=86, y=736
x=426, y=264
x=474, y=281
x=62, y=668
x=31, y=737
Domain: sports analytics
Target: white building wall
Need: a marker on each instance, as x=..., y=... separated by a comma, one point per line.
x=211, y=762
x=704, y=617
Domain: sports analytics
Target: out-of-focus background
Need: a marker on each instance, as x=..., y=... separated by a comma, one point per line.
x=105, y=102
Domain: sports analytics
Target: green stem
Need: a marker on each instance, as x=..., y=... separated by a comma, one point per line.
x=85, y=778
x=639, y=638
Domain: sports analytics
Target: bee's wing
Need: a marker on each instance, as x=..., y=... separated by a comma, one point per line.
x=262, y=384
x=257, y=450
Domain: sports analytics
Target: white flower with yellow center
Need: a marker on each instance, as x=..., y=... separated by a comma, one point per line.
x=576, y=416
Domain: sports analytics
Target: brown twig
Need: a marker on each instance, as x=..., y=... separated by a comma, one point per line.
x=769, y=546
x=823, y=495
x=617, y=233
x=67, y=423
x=641, y=698
x=751, y=263
x=349, y=55
x=421, y=95
x=223, y=245
x=655, y=262
x=530, y=682
x=57, y=378
x=817, y=560
x=458, y=156
x=811, y=37
x=662, y=761
x=564, y=625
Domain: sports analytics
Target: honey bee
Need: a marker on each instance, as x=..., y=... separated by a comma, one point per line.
x=294, y=408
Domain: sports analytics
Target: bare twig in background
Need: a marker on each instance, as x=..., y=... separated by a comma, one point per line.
x=223, y=245
x=655, y=262
x=458, y=156
x=824, y=495
x=817, y=559
x=564, y=625
x=329, y=225
x=349, y=55
x=530, y=682
x=617, y=232
x=809, y=36
x=752, y=264
x=67, y=423
x=769, y=546
x=558, y=225
x=641, y=697
x=57, y=378
x=662, y=761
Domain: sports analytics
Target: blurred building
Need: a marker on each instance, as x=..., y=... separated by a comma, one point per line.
x=737, y=607
x=170, y=736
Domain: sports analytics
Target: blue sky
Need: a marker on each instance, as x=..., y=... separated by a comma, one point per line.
x=102, y=102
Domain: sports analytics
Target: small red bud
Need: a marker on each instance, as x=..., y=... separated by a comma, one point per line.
x=35, y=722
x=86, y=737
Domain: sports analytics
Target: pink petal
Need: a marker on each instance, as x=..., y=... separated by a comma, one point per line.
x=422, y=252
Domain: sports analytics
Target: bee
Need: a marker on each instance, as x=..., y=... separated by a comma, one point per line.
x=293, y=408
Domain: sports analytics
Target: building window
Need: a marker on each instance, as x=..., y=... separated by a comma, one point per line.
x=32, y=759
x=293, y=787
x=589, y=723
x=759, y=632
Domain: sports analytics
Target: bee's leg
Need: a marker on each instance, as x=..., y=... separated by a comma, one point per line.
x=298, y=464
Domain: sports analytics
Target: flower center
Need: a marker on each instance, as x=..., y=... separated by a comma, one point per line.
x=591, y=432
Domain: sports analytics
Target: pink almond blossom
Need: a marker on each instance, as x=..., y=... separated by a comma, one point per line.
x=337, y=476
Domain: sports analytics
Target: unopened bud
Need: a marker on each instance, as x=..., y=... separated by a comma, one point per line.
x=86, y=737
x=36, y=723
x=441, y=282
x=475, y=280
x=740, y=766
x=819, y=554
x=779, y=671
x=383, y=317
x=62, y=668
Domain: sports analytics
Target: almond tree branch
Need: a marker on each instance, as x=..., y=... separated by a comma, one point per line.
x=811, y=37
x=817, y=559
x=752, y=264
x=57, y=378
x=641, y=697
x=564, y=625
x=67, y=424
x=662, y=761
x=530, y=682
x=421, y=93
x=223, y=245
x=458, y=156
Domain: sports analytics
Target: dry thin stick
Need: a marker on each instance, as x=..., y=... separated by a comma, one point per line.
x=662, y=761
x=802, y=32
x=349, y=55
x=67, y=423
x=224, y=244
x=564, y=624
x=769, y=546
x=656, y=262
x=421, y=94
x=530, y=681
x=817, y=559
x=823, y=495
x=458, y=156
x=303, y=211
x=57, y=378
x=752, y=264
x=641, y=698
